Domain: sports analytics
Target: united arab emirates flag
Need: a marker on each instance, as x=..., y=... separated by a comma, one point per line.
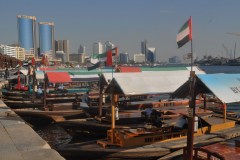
x=98, y=59
x=185, y=33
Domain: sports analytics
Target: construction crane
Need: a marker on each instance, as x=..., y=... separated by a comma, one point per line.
x=232, y=33
x=227, y=51
x=235, y=34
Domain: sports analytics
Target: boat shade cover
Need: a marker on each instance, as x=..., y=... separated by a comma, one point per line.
x=224, y=86
x=128, y=69
x=142, y=83
x=84, y=78
x=58, y=77
x=39, y=75
x=22, y=71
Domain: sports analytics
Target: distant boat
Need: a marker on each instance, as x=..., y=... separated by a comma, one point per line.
x=233, y=62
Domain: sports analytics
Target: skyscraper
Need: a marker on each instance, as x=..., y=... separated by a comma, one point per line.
x=123, y=58
x=151, y=55
x=63, y=45
x=46, y=39
x=81, y=49
x=26, y=26
x=144, y=48
x=97, y=48
x=109, y=45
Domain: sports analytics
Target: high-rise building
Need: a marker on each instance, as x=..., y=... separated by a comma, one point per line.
x=144, y=48
x=151, y=55
x=63, y=45
x=123, y=58
x=66, y=48
x=46, y=39
x=108, y=45
x=97, y=48
x=27, y=34
x=81, y=49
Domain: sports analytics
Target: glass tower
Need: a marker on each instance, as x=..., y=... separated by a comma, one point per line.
x=27, y=33
x=46, y=38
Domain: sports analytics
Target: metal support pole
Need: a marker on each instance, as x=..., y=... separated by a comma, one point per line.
x=204, y=102
x=100, y=100
x=225, y=112
x=113, y=118
x=192, y=103
x=45, y=88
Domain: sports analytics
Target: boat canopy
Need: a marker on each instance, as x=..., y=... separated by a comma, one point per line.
x=22, y=71
x=58, y=77
x=142, y=83
x=128, y=69
x=39, y=75
x=226, y=87
x=85, y=78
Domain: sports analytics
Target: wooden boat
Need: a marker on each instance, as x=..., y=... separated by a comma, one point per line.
x=14, y=93
x=139, y=143
x=127, y=118
x=91, y=127
x=24, y=104
x=39, y=117
x=131, y=105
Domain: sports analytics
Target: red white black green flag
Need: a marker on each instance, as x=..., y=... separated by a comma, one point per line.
x=185, y=33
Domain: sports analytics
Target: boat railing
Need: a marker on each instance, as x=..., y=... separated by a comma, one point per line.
x=203, y=154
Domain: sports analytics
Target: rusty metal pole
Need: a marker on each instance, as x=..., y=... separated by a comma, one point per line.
x=113, y=117
x=192, y=103
x=204, y=102
x=224, y=112
x=100, y=98
x=45, y=88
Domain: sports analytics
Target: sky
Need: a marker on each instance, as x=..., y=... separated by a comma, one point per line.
x=128, y=22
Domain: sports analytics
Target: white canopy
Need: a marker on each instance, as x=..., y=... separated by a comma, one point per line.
x=141, y=83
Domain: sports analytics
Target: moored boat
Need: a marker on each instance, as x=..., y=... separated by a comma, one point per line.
x=36, y=116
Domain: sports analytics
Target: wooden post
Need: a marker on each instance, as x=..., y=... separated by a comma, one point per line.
x=204, y=102
x=113, y=118
x=190, y=133
x=224, y=112
x=100, y=100
x=44, y=93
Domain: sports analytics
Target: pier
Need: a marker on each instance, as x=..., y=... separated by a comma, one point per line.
x=19, y=141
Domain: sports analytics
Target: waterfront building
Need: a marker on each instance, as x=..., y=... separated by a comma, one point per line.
x=46, y=39
x=13, y=51
x=77, y=58
x=108, y=46
x=63, y=45
x=60, y=55
x=97, y=48
x=144, y=48
x=81, y=49
x=151, y=55
x=123, y=58
x=174, y=60
x=26, y=26
x=139, y=58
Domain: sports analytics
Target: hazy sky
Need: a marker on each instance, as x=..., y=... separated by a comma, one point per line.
x=128, y=22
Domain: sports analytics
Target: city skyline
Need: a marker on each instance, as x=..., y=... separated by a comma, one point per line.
x=127, y=23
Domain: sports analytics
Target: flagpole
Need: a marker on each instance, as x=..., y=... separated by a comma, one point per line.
x=192, y=103
x=191, y=55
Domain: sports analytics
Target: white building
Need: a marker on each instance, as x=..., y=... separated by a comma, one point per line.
x=139, y=58
x=97, y=48
x=13, y=51
x=108, y=45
